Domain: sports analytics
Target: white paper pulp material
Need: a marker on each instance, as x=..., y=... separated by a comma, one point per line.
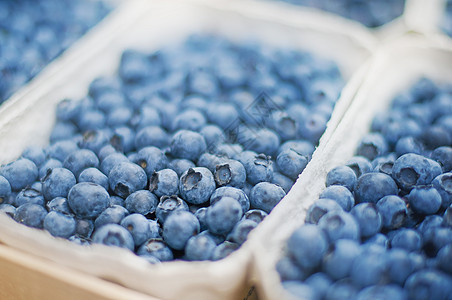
x=27, y=119
x=393, y=69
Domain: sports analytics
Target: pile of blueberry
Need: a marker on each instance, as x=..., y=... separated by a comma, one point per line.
x=32, y=33
x=371, y=13
x=382, y=229
x=446, y=24
x=181, y=154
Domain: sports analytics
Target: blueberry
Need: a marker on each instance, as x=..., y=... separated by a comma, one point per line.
x=320, y=208
x=222, y=114
x=156, y=248
x=57, y=183
x=368, y=218
x=424, y=200
x=435, y=136
x=428, y=284
x=342, y=289
x=255, y=215
x=369, y=268
x=151, y=159
x=142, y=201
x=289, y=270
x=337, y=264
x=340, y=194
x=241, y=231
x=5, y=189
x=151, y=136
x=201, y=214
x=291, y=163
x=210, y=161
x=111, y=215
x=360, y=165
x=123, y=139
x=20, y=173
x=84, y=228
x=258, y=167
x=430, y=222
x=413, y=169
x=59, y=204
x=384, y=164
x=181, y=165
x=196, y=185
x=31, y=214
x=113, y=235
x=169, y=204
x=378, y=239
x=312, y=127
x=382, y=292
x=139, y=228
x=223, y=250
x=199, y=247
x=301, y=147
x=342, y=175
x=443, y=156
x=61, y=150
x=213, y=135
x=59, y=224
x=231, y=173
x=187, y=144
x=371, y=187
x=371, y=146
x=79, y=160
x=283, y=181
x=435, y=238
x=111, y=161
x=34, y=153
x=8, y=209
x=88, y=200
x=283, y=124
x=126, y=178
x=264, y=141
x=407, y=239
x=339, y=225
x=29, y=195
x=94, y=175
x=164, y=182
x=319, y=282
x=190, y=119
x=400, y=265
x=222, y=216
x=299, y=290
x=266, y=196
x=307, y=245
x=444, y=258
x=393, y=211
x=94, y=140
x=178, y=228
x=443, y=184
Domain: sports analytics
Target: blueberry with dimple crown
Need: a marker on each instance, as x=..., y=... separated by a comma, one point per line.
x=196, y=185
x=413, y=169
x=156, y=248
x=164, y=182
x=168, y=205
x=126, y=178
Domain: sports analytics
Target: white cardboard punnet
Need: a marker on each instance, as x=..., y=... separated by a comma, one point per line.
x=28, y=117
x=393, y=69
